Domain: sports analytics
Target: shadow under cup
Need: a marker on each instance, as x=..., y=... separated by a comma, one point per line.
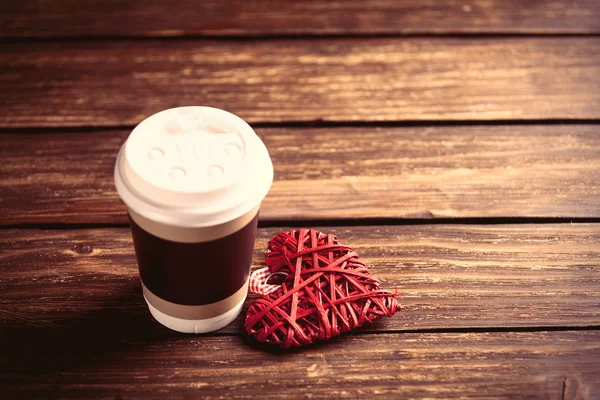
x=194, y=280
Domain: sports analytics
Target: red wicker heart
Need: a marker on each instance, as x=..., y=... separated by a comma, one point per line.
x=327, y=291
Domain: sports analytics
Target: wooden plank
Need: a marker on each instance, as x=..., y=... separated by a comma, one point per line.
x=35, y=18
x=335, y=173
x=449, y=277
x=108, y=83
x=138, y=365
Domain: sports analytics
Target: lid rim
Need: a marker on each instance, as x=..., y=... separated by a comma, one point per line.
x=187, y=217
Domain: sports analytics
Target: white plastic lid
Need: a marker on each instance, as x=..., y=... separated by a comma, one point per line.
x=193, y=167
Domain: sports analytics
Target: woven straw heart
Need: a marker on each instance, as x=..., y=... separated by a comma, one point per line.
x=327, y=291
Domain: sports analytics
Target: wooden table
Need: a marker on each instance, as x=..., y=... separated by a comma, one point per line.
x=454, y=144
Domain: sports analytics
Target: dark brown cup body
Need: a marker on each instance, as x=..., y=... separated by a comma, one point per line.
x=194, y=273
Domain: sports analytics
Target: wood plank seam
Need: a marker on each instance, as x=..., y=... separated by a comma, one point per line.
x=450, y=277
x=378, y=79
x=407, y=175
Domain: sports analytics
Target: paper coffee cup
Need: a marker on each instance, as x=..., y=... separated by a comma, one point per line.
x=193, y=179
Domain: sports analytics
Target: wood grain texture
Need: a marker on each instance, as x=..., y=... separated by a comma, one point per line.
x=116, y=83
x=47, y=18
x=335, y=173
x=142, y=365
x=449, y=276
